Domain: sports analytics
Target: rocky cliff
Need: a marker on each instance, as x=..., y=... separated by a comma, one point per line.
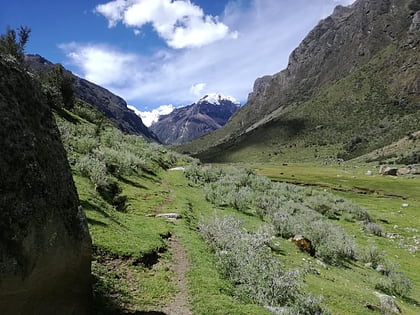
x=354, y=78
x=109, y=104
x=45, y=247
x=190, y=122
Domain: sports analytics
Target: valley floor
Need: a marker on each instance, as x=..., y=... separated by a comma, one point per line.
x=149, y=265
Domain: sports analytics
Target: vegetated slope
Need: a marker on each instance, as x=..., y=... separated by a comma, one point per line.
x=353, y=78
x=122, y=184
x=109, y=104
x=190, y=122
x=118, y=178
x=45, y=247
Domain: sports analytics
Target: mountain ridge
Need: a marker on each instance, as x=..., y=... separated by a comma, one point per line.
x=183, y=124
x=112, y=106
x=340, y=45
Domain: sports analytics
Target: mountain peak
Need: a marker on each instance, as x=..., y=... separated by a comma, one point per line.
x=217, y=99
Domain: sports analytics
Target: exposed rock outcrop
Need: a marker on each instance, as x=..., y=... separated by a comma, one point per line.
x=356, y=74
x=351, y=34
x=45, y=247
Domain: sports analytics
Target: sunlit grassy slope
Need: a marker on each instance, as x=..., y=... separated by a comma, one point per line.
x=130, y=266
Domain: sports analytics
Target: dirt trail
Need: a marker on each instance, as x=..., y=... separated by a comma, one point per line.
x=180, y=265
x=171, y=197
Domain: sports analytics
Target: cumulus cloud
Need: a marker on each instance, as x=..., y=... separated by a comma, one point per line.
x=180, y=23
x=152, y=116
x=103, y=64
x=268, y=30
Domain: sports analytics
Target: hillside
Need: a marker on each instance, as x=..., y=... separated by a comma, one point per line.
x=109, y=104
x=187, y=123
x=234, y=231
x=351, y=86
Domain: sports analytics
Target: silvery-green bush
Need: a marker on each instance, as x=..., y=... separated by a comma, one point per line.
x=246, y=260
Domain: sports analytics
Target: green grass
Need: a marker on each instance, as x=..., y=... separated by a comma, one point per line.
x=124, y=240
x=128, y=233
x=348, y=289
x=210, y=293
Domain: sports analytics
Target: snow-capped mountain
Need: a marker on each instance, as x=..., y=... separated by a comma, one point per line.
x=186, y=123
x=217, y=99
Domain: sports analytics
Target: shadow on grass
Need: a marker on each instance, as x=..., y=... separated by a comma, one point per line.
x=67, y=116
x=410, y=300
x=96, y=222
x=86, y=205
x=132, y=183
x=106, y=303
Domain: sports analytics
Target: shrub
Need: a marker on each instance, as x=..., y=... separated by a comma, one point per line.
x=245, y=260
x=331, y=243
x=259, y=277
x=394, y=284
x=371, y=255
x=93, y=169
x=374, y=228
x=290, y=209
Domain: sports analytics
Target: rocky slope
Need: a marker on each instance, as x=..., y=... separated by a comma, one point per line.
x=187, y=123
x=372, y=45
x=45, y=247
x=109, y=104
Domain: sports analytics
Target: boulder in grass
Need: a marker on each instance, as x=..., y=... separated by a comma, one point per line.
x=171, y=215
x=304, y=244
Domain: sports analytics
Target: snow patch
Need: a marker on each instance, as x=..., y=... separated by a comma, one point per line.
x=216, y=98
x=151, y=117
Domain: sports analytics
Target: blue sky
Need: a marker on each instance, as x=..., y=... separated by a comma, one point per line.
x=159, y=52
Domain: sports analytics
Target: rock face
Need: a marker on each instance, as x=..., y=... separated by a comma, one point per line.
x=45, y=247
x=351, y=34
x=353, y=74
x=187, y=123
x=109, y=104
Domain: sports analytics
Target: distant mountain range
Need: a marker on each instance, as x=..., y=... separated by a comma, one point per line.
x=350, y=87
x=109, y=104
x=186, y=123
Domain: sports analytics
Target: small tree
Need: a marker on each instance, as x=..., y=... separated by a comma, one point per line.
x=10, y=44
x=58, y=86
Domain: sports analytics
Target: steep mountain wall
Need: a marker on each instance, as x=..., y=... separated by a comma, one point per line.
x=373, y=45
x=45, y=247
x=109, y=104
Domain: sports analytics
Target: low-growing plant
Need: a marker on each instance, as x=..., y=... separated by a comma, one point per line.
x=93, y=169
x=374, y=228
x=394, y=284
x=290, y=209
x=371, y=255
x=258, y=276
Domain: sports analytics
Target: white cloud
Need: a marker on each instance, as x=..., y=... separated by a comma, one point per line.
x=268, y=30
x=103, y=64
x=197, y=89
x=180, y=23
x=151, y=117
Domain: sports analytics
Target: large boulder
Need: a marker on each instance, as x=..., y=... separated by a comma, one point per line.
x=45, y=247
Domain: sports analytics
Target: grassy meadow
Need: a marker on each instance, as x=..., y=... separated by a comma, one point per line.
x=235, y=229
